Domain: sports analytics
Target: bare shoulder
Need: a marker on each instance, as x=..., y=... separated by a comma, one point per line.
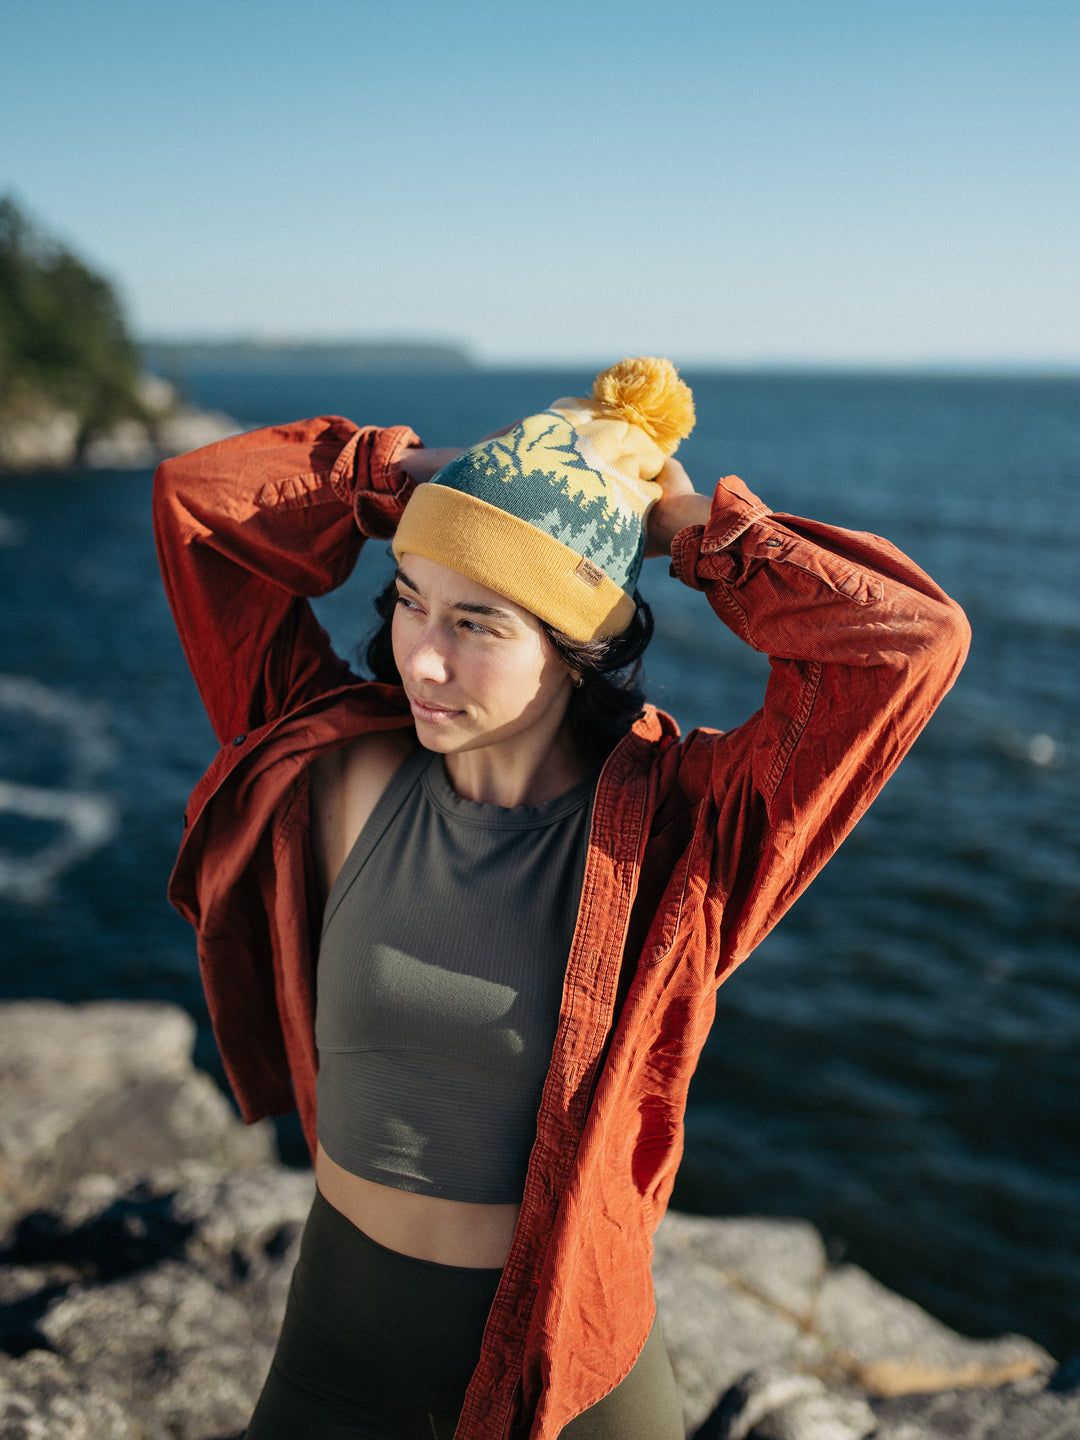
x=346, y=785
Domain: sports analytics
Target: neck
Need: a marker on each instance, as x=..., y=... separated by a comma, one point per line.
x=492, y=778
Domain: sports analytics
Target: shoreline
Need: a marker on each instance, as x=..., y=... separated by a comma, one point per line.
x=148, y=1237
x=45, y=437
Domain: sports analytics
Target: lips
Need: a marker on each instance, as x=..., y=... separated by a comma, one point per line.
x=432, y=714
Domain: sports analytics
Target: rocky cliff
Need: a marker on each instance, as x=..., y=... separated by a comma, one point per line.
x=42, y=434
x=147, y=1238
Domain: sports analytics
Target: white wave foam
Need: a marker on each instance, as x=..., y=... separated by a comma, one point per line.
x=87, y=818
x=1042, y=749
x=85, y=724
x=87, y=822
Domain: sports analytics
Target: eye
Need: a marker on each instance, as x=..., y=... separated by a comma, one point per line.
x=474, y=628
x=404, y=602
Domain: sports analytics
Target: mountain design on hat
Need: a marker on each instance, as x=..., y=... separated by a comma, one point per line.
x=538, y=473
x=552, y=513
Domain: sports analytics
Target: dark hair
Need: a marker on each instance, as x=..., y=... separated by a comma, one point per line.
x=601, y=711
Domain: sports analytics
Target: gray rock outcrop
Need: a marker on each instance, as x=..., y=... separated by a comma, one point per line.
x=770, y=1342
x=44, y=436
x=148, y=1238
x=107, y=1089
x=41, y=437
x=165, y=1301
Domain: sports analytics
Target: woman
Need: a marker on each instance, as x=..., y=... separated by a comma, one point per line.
x=519, y=887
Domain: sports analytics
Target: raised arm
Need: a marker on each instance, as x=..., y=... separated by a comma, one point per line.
x=250, y=528
x=863, y=645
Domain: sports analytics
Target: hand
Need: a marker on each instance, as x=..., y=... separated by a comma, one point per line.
x=679, y=505
x=420, y=464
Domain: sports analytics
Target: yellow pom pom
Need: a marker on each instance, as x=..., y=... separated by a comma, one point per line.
x=649, y=394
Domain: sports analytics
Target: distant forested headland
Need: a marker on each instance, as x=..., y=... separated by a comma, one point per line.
x=174, y=358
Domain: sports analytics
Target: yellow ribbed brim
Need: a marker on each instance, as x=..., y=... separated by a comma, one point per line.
x=514, y=559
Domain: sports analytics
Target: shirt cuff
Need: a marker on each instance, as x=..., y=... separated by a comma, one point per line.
x=382, y=488
x=734, y=509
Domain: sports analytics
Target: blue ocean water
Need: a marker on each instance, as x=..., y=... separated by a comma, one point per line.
x=899, y=1060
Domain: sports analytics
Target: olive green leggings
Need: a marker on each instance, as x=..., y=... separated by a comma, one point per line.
x=380, y=1346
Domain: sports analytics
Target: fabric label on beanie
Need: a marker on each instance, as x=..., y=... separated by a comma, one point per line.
x=591, y=574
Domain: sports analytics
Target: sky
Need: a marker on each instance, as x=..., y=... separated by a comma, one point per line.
x=734, y=182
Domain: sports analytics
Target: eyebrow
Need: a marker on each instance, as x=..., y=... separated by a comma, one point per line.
x=492, y=612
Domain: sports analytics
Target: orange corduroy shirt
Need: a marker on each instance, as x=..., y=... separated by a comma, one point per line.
x=698, y=846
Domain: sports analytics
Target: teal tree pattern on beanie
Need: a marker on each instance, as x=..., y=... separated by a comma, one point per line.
x=537, y=472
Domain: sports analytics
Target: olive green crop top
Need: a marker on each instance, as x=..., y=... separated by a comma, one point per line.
x=440, y=977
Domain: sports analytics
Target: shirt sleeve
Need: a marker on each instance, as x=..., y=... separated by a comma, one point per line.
x=863, y=645
x=251, y=528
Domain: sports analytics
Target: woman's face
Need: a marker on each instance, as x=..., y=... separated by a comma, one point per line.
x=478, y=670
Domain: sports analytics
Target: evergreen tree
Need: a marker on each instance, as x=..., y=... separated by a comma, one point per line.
x=62, y=333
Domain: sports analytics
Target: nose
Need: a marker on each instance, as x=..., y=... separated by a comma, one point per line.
x=426, y=660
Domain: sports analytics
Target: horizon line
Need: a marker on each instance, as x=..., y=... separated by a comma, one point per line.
x=1028, y=367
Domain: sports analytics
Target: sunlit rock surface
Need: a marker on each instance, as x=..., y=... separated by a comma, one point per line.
x=148, y=1238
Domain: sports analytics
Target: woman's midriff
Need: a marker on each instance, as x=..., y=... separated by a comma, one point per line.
x=449, y=1232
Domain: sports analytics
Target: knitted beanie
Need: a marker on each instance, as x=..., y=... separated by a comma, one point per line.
x=552, y=514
